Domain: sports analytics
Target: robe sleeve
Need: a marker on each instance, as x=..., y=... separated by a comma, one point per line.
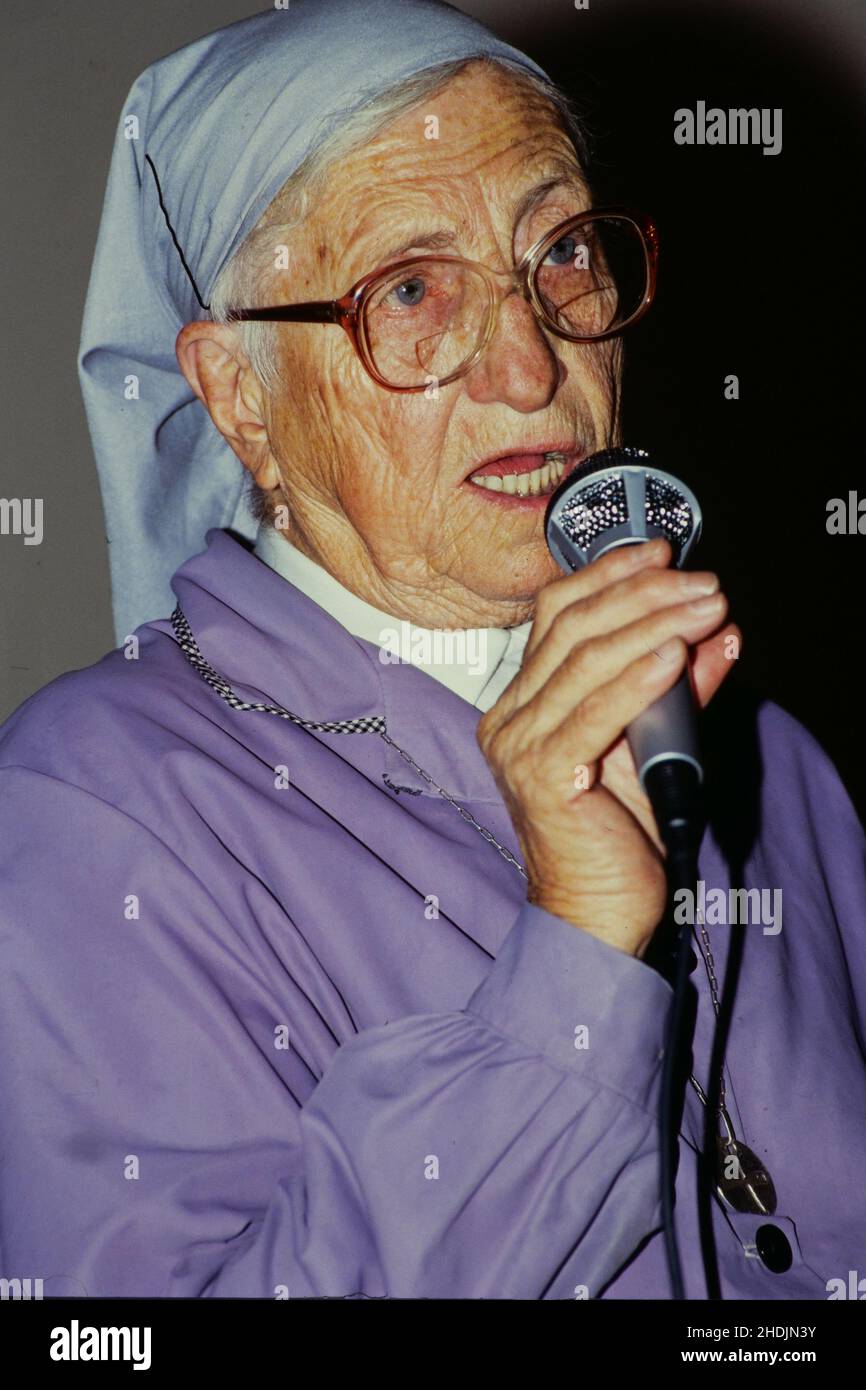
x=507, y=1149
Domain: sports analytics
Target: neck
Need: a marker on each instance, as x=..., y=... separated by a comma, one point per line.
x=437, y=601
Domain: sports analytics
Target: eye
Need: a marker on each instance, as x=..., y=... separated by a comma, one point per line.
x=410, y=292
x=562, y=251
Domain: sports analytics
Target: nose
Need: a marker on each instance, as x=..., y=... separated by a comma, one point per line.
x=519, y=368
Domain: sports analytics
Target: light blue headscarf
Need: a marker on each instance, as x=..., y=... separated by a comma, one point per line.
x=224, y=122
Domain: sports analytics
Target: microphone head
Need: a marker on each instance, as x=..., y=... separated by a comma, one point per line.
x=618, y=497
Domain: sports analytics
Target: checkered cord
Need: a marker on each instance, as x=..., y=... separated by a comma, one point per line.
x=374, y=724
x=365, y=724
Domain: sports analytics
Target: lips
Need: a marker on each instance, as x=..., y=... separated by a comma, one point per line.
x=524, y=476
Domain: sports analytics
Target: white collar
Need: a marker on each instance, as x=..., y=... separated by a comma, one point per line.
x=476, y=663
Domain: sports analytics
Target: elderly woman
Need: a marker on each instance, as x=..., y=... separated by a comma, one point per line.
x=325, y=971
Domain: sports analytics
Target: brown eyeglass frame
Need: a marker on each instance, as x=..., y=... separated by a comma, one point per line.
x=348, y=310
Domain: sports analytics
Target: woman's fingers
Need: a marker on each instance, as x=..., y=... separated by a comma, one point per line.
x=582, y=730
x=589, y=729
x=616, y=565
x=604, y=613
x=594, y=663
x=606, y=644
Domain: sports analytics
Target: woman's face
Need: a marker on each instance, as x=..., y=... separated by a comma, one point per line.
x=377, y=483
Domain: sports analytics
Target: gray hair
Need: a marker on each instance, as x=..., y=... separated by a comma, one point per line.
x=244, y=279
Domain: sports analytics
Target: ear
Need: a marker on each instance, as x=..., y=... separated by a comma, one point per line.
x=212, y=359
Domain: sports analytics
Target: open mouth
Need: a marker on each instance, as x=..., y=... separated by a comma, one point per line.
x=524, y=477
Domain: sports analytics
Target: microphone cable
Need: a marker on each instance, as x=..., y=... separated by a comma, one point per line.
x=675, y=793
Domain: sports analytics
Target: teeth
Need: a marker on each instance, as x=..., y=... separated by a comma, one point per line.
x=534, y=484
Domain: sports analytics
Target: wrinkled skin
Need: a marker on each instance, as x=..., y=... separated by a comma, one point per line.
x=375, y=484
x=371, y=477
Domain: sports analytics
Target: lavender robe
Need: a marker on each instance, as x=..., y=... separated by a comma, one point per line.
x=244, y=1056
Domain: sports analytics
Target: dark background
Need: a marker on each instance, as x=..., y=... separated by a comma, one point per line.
x=761, y=276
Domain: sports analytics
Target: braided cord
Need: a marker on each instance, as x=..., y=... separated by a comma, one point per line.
x=364, y=724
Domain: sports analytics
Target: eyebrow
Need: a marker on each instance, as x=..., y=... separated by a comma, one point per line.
x=533, y=196
x=444, y=238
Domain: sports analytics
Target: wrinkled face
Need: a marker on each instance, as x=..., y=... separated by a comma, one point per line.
x=378, y=483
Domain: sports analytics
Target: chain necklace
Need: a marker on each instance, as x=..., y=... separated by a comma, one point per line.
x=742, y=1182
x=365, y=724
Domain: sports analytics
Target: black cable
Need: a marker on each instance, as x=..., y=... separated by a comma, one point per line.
x=682, y=874
x=674, y=790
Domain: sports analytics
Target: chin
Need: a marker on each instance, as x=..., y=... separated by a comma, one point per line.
x=517, y=576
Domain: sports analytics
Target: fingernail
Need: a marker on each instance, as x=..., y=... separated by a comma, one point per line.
x=700, y=583
x=641, y=554
x=705, y=606
x=668, y=650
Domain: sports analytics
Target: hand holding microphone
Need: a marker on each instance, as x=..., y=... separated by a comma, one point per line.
x=607, y=642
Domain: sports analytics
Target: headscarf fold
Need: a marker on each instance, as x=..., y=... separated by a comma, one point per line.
x=207, y=137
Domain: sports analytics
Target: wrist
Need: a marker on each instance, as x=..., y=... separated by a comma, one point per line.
x=614, y=928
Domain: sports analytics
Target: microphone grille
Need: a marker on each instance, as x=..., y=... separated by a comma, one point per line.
x=668, y=509
x=616, y=497
x=596, y=508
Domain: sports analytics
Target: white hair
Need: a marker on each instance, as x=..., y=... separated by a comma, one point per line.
x=243, y=281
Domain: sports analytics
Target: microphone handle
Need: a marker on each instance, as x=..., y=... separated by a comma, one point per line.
x=664, y=744
x=666, y=730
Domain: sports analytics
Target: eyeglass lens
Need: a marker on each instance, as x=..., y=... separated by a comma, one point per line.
x=426, y=320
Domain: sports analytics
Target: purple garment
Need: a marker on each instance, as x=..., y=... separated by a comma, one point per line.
x=157, y=1138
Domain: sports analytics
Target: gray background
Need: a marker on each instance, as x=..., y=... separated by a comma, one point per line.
x=68, y=67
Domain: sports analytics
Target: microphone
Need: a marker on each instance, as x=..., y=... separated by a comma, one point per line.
x=618, y=497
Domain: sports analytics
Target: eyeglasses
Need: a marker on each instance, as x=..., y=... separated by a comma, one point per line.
x=429, y=319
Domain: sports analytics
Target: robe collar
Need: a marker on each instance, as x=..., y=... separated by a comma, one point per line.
x=273, y=644
x=497, y=651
